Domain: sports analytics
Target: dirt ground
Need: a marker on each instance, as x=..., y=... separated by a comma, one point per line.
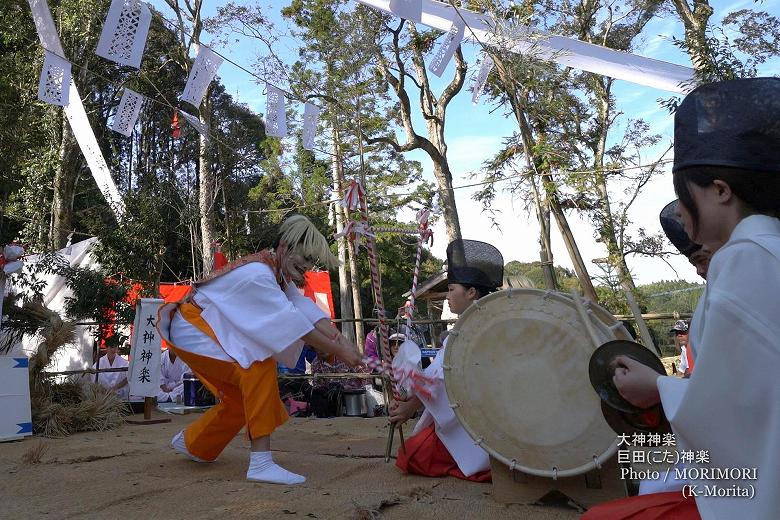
x=131, y=472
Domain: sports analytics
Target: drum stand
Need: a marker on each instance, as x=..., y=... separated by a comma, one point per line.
x=579, y=492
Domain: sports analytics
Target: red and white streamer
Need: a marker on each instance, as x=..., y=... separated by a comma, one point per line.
x=353, y=195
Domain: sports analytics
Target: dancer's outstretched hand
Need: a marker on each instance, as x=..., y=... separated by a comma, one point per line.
x=349, y=354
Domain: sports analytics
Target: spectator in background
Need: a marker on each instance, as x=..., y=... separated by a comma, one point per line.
x=113, y=381
x=680, y=331
x=172, y=370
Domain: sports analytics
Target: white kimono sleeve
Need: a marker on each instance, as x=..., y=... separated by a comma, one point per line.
x=304, y=304
x=728, y=408
x=251, y=316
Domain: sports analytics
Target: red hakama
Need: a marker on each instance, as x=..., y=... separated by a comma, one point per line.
x=426, y=455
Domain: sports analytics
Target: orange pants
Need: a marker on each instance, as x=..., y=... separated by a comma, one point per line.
x=425, y=454
x=247, y=397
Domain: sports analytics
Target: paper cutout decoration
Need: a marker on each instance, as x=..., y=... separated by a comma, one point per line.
x=203, y=71
x=482, y=76
x=407, y=9
x=568, y=52
x=448, y=47
x=196, y=123
x=127, y=112
x=75, y=113
x=54, y=84
x=311, y=115
x=275, y=115
x=124, y=33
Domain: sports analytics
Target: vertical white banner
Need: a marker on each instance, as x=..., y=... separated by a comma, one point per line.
x=54, y=81
x=448, y=47
x=145, y=349
x=311, y=116
x=407, y=9
x=275, y=115
x=124, y=33
x=481, y=79
x=202, y=73
x=75, y=113
x=127, y=112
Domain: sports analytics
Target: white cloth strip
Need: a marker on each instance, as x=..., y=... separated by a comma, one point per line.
x=124, y=32
x=75, y=113
x=127, y=112
x=196, y=123
x=202, y=73
x=275, y=115
x=406, y=9
x=311, y=116
x=481, y=78
x=448, y=47
x=55, y=78
x=568, y=52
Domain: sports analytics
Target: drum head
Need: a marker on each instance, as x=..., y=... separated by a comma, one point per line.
x=516, y=374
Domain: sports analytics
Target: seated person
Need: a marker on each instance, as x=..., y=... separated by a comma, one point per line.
x=439, y=445
x=113, y=381
x=172, y=370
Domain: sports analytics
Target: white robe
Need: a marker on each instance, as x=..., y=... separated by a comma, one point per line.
x=470, y=458
x=729, y=407
x=110, y=379
x=171, y=375
x=251, y=316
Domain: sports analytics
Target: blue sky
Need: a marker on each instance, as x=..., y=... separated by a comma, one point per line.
x=474, y=134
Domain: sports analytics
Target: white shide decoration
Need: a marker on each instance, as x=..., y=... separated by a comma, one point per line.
x=203, y=71
x=448, y=47
x=127, y=112
x=124, y=33
x=311, y=115
x=55, y=78
x=275, y=115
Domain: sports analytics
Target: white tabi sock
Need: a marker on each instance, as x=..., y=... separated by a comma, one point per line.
x=178, y=444
x=263, y=469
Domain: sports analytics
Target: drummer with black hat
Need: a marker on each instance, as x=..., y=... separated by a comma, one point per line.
x=727, y=177
x=698, y=255
x=439, y=445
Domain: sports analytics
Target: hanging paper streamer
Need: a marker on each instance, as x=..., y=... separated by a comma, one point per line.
x=568, y=52
x=124, y=34
x=311, y=115
x=127, y=112
x=196, y=123
x=481, y=79
x=407, y=9
x=75, y=113
x=448, y=47
x=54, y=84
x=203, y=71
x=275, y=115
x=352, y=196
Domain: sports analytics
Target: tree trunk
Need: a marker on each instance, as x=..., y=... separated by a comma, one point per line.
x=607, y=228
x=357, y=301
x=207, y=191
x=441, y=171
x=345, y=294
x=574, y=252
x=64, y=188
x=695, y=22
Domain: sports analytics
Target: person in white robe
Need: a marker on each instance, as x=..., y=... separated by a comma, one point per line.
x=231, y=331
x=113, y=381
x=475, y=269
x=727, y=176
x=172, y=370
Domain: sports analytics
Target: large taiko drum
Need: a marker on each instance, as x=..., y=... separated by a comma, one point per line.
x=516, y=374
